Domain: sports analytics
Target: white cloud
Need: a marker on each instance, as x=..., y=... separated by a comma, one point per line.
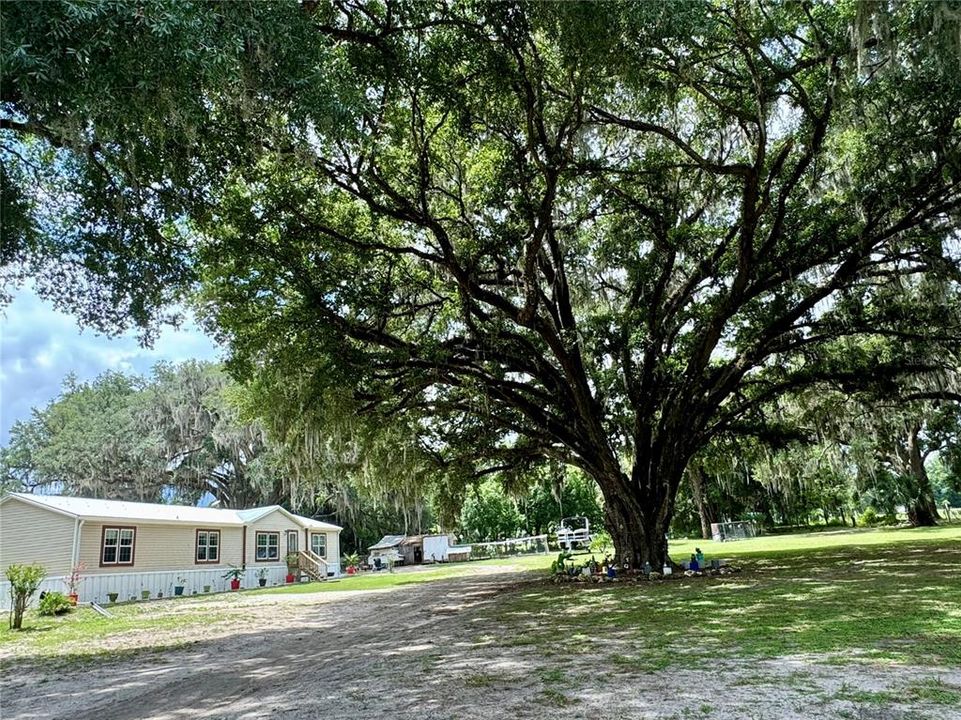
x=40, y=346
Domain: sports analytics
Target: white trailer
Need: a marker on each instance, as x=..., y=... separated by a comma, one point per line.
x=436, y=548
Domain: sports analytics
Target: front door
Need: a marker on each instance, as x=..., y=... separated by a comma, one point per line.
x=292, y=536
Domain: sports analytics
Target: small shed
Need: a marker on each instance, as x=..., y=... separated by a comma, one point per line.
x=412, y=549
x=386, y=549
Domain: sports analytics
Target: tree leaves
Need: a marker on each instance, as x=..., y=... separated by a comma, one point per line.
x=471, y=214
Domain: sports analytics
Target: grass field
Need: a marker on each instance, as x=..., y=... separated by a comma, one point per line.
x=849, y=624
x=885, y=594
x=761, y=548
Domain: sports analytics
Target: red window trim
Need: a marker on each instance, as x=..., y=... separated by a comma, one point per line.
x=133, y=545
x=197, y=545
x=267, y=532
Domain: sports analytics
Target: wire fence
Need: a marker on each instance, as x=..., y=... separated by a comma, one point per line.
x=530, y=545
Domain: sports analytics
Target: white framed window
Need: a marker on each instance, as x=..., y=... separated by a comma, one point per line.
x=208, y=546
x=117, y=545
x=318, y=544
x=267, y=546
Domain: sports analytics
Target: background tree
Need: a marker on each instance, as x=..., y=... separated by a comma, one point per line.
x=893, y=435
x=88, y=442
x=603, y=236
x=208, y=448
x=552, y=496
x=490, y=514
x=188, y=433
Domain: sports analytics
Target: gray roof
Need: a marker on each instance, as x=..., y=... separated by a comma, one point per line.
x=388, y=541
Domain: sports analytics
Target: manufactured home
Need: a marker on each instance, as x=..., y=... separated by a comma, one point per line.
x=131, y=549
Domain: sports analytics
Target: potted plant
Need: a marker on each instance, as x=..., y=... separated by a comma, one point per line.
x=234, y=575
x=352, y=562
x=112, y=596
x=179, y=587
x=262, y=577
x=73, y=582
x=293, y=565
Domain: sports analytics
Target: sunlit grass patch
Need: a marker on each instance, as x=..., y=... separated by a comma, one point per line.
x=72, y=638
x=477, y=680
x=933, y=690
x=864, y=697
x=870, y=601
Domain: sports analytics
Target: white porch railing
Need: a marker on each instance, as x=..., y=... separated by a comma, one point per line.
x=313, y=564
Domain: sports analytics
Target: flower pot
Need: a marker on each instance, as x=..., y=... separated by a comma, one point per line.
x=235, y=584
x=262, y=582
x=113, y=597
x=290, y=578
x=178, y=590
x=74, y=599
x=351, y=570
x=144, y=594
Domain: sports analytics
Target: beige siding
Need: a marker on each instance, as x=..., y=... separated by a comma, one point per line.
x=333, y=551
x=332, y=555
x=160, y=547
x=273, y=522
x=30, y=534
x=333, y=547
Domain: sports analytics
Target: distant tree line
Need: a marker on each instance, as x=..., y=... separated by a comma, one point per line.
x=188, y=433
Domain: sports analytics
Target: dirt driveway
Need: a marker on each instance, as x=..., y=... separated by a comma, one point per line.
x=414, y=653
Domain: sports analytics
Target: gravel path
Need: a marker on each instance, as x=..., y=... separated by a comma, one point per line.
x=412, y=653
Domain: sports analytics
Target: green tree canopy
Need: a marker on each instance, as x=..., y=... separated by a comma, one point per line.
x=88, y=441
x=603, y=234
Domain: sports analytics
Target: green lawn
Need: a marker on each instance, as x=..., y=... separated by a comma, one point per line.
x=77, y=635
x=880, y=595
x=374, y=580
x=762, y=547
x=885, y=595
x=821, y=540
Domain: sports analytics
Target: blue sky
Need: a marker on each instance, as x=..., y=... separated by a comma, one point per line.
x=39, y=346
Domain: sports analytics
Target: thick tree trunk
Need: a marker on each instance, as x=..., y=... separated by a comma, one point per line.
x=638, y=512
x=638, y=537
x=922, y=509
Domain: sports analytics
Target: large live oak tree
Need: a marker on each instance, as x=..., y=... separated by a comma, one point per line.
x=598, y=233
